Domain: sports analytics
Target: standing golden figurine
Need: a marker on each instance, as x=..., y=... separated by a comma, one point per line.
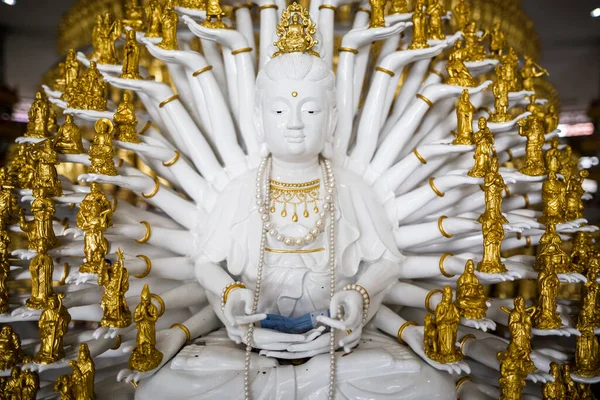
x=512, y=376
x=153, y=19
x=45, y=181
x=529, y=72
x=493, y=234
x=493, y=186
x=21, y=385
x=545, y=315
x=11, y=352
x=447, y=317
x=419, y=20
x=131, y=57
x=101, y=150
x=554, y=390
x=84, y=372
x=532, y=128
x=4, y=270
x=573, y=196
x=110, y=29
x=114, y=304
x=458, y=73
x=53, y=325
x=510, y=63
x=399, y=7
x=570, y=386
x=500, y=89
x=581, y=253
x=94, y=218
x=145, y=357
x=551, y=119
x=435, y=10
x=9, y=208
x=430, y=335
x=587, y=353
x=553, y=195
x=169, y=23
x=567, y=165
x=214, y=15
x=589, y=315
x=72, y=67
x=377, y=16
x=497, y=40
x=475, y=51
x=21, y=168
x=126, y=121
x=470, y=299
x=461, y=15
x=519, y=326
x=52, y=119
x=68, y=140
x=134, y=15
x=37, y=127
x=40, y=233
x=464, y=116
x=550, y=251
x=89, y=92
x=484, y=139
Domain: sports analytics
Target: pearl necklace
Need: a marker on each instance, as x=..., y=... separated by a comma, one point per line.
x=263, y=189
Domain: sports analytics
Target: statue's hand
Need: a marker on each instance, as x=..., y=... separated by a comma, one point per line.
x=357, y=38
x=320, y=345
x=192, y=12
x=23, y=139
x=516, y=227
x=78, y=278
x=58, y=102
x=140, y=184
x=24, y=254
x=413, y=336
x=89, y=115
x=76, y=232
x=587, y=163
x=104, y=68
x=590, y=381
x=105, y=332
x=238, y=309
x=482, y=324
x=160, y=153
x=229, y=38
x=158, y=91
x=51, y=93
x=572, y=277
x=351, y=302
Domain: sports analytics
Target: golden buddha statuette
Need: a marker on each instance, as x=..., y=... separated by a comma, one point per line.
x=519, y=325
x=21, y=385
x=493, y=234
x=470, y=299
x=447, y=317
x=81, y=382
x=582, y=252
x=530, y=71
x=532, y=128
x=554, y=390
x=551, y=119
x=464, y=116
x=377, y=17
x=461, y=15
x=589, y=315
x=435, y=10
x=22, y=167
x=169, y=22
x=295, y=31
x=53, y=325
x=37, y=127
x=11, y=352
x=72, y=67
x=497, y=40
x=145, y=357
x=553, y=152
x=94, y=218
x=512, y=376
x=473, y=48
x=89, y=92
x=573, y=197
x=587, y=353
x=114, y=303
x=484, y=139
x=493, y=186
x=52, y=121
x=126, y=121
x=554, y=196
x=399, y=7
x=134, y=15
x=9, y=208
x=545, y=315
x=153, y=19
x=458, y=73
x=214, y=15
x=500, y=89
x=419, y=20
x=45, y=180
x=108, y=29
x=550, y=251
x=39, y=231
x=567, y=165
x=131, y=57
x=68, y=140
x=101, y=150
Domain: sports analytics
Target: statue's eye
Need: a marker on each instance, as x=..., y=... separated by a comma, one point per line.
x=311, y=112
x=279, y=112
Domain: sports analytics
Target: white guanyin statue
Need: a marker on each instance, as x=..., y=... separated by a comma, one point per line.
x=305, y=226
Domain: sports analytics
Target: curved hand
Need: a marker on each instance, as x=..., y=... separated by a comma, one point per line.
x=157, y=90
x=351, y=302
x=135, y=183
x=320, y=344
x=483, y=324
x=89, y=115
x=104, y=68
x=226, y=37
x=357, y=38
x=396, y=59
x=270, y=340
x=238, y=308
x=78, y=278
x=438, y=91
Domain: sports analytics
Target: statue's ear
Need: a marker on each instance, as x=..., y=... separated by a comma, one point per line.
x=333, y=119
x=258, y=124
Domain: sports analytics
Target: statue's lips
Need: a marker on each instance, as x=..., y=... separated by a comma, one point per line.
x=295, y=139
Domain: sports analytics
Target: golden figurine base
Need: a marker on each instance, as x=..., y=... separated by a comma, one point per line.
x=418, y=45
x=45, y=358
x=38, y=303
x=123, y=322
x=444, y=358
x=463, y=82
x=474, y=313
x=533, y=169
x=497, y=117
x=91, y=268
x=131, y=76
x=141, y=361
x=491, y=268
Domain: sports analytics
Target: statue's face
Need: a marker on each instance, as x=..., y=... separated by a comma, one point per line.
x=296, y=119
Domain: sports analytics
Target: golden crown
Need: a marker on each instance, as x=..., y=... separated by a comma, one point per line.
x=295, y=31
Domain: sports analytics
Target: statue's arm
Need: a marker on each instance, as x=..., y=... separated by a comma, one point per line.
x=211, y=276
x=378, y=275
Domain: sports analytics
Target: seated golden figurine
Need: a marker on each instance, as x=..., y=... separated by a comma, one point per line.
x=295, y=31
x=447, y=317
x=134, y=15
x=114, y=303
x=484, y=139
x=470, y=299
x=89, y=93
x=68, y=140
x=21, y=385
x=131, y=57
x=21, y=168
x=582, y=252
x=126, y=121
x=419, y=20
x=53, y=325
x=145, y=357
x=550, y=251
x=464, y=116
x=545, y=315
x=46, y=181
x=37, y=127
x=533, y=130
x=11, y=352
x=554, y=390
x=101, y=150
x=458, y=73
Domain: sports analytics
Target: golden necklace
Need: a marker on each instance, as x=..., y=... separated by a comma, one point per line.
x=294, y=195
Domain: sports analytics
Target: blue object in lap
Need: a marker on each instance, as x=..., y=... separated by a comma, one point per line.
x=301, y=324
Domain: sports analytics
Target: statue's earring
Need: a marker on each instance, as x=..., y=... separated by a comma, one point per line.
x=264, y=150
x=327, y=151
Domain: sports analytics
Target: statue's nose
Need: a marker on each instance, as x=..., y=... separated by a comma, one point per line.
x=295, y=122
